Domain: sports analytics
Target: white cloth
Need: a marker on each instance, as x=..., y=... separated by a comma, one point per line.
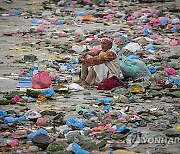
x=101, y=72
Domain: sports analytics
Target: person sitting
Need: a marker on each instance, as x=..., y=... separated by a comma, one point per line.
x=98, y=65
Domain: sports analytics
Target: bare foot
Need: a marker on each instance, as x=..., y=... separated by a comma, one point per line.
x=84, y=83
x=79, y=81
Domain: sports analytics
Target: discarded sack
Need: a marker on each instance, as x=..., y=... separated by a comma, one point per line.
x=134, y=68
x=41, y=80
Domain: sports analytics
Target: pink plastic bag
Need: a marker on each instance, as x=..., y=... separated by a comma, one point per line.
x=174, y=42
x=41, y=80
x=41, y=28
x=170, y=71
x=42, y=121
x=16, y=99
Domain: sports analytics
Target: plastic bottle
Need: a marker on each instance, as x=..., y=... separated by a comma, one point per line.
x=35, y=68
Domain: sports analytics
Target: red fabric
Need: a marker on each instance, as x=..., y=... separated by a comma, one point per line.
x=41, y=80
x=110, y=83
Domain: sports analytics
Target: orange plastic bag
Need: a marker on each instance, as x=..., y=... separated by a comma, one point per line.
x=89, y=18
x=41, y=80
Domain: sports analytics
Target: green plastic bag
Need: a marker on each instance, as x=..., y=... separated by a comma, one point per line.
x=134, y=68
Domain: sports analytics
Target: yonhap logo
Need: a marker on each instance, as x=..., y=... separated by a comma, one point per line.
x=133, y=140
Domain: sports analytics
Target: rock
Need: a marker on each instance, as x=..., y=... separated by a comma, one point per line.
x=117, y=136
x=2, y=142
x=61, y=142
x=59, y=119
x=48, y=112
x=121, y=98
x=102, y=144
x=4, y=127
x=30, y=58
x=171, y=133
x=175, y=56
x=116, y=146
x=33, y=149
x=56, y=148
x=142, y=41
x=41, y=140
x=120, y=152
x=174, y=65
x=142, y=123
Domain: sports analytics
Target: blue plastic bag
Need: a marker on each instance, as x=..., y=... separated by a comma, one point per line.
x=163, y=22
x=104, y=100
x=107, y=108
x=69, y=67
x=49, y=92
x=122, y=128
x=67, y=4
x=174, y=29
x=35, y=21
x=3, y=113
x=24, y=83
x=133, y=57
x=75, y=122
x=14, y=12
x=146, y=31
x=152, y=69
x=39, y=131
x=133, y=131
x=87, y=7
x=74, y=60
x=60, y=22
x=111, y=152
x=77, y=149
x=13, y=120
x=150, y=47
x=174, y=80
x=81, y=14
x=89, y=111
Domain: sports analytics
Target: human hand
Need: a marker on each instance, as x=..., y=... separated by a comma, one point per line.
x=81, y=59
x=84, y=54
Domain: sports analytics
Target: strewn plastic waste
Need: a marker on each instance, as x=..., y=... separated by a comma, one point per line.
x=12, y=119
x=104, y=100
x=77, y=149
x=39, y=131
x=75, y=122
x=3, y=113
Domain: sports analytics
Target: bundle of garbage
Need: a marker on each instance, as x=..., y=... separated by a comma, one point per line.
x=134, y=68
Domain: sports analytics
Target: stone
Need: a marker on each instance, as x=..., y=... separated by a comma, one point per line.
x=56, y=148
x=62, y=142
x=30, y=58
x=171, y=133
x=4, y=127
x=121, y=98
x=41, y=140
x=58, y=119
x=174, y=65
x=142, y=41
